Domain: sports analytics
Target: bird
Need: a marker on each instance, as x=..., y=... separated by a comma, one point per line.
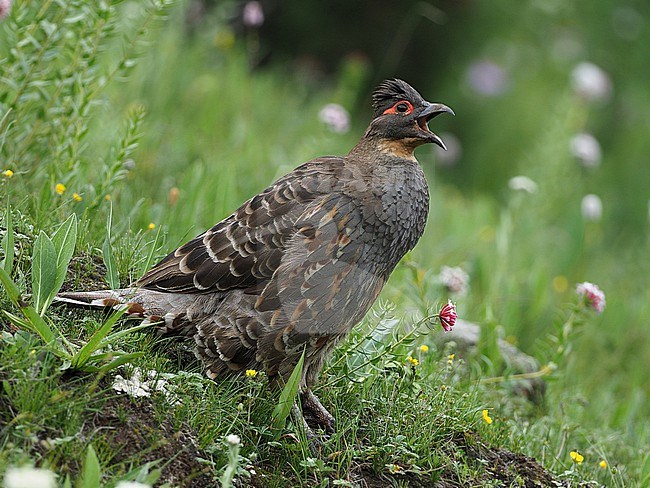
x=295, y=267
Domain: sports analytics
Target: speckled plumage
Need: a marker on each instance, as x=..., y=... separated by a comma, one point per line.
x=299, y=264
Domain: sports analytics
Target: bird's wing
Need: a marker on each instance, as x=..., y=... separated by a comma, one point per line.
x=244, y=250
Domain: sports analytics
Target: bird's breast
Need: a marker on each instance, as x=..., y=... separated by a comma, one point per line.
x=395, y=211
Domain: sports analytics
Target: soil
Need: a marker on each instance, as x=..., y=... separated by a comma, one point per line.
x=132, y=425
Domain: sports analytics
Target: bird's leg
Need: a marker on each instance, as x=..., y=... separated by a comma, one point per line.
x=298, y=418
x=314, y=411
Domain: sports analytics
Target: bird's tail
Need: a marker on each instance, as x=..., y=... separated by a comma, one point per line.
x=166, y=310
x=122, y=299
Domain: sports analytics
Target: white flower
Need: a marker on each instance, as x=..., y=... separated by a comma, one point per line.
x=335, y=117
x=28, y=477
x=586, y=148
x=233, y=440
x=487, y=78
x=593, y=295
x=523, y=183
x=139, y=387
x=455, y=279
x=592, y=208
x=591, y=82
x=132, y=484
x=253, y=15
x=453, y=153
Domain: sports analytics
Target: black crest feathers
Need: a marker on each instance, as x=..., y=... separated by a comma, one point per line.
x=391, y=91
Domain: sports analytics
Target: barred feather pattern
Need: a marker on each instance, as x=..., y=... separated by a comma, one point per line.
x=295, y=267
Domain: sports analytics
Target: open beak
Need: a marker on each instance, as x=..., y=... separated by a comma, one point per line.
x=429, y=112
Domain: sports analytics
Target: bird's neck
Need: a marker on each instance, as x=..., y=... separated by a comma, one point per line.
x=377, y=149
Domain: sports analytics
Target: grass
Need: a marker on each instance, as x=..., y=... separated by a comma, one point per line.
x=159, y=129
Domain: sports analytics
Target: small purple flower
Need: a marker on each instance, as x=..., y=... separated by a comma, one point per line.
x=5, y=8
x=586, y=149
x=591, y=82
x=593, y=296
x=487, y=78
x=455, y=279
x=335, y=117
x=448, y=316
x=253, y=15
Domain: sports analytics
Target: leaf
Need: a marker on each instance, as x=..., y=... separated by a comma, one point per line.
x=95, y=341
x=43, y=271
x=287, y=397
x=8, y=243
x=91, y=474
x=112, y=275
x=119, y=361
x=38, y=323
x=64, y=240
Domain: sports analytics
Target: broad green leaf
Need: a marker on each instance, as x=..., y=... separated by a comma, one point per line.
x=64, y=240
x=91, y=474
x=43, y=271
x=8, y=244
x=109, y=261
x=38, y=323
x=287, y=397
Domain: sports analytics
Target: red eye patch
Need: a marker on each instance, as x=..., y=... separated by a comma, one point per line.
x=402, y=107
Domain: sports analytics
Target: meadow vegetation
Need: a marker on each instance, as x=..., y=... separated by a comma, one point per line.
x=121, y=136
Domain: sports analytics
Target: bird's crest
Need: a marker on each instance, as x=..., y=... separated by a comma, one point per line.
x=392, y=91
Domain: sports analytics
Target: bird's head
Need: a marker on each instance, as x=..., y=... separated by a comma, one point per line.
x=400, y=117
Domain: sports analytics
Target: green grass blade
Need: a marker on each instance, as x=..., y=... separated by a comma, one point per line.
x=149, y=262
x=91, y=474
x=8, y=243
x=43, y=271
x=95, y=341
x=112, y=276
x=121, y=333
x=120, y=360
x=287, y=397
x=19, y=321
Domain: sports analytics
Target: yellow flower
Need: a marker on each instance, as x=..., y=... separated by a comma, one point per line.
x=486, y=417
x=107, y=197
x=576, y=457
x=394, y=468
x=76, y=197
x=424, y=348
x=224, y=40
x=251, y=373
x=603, y=464
x=8, y=173
x=560, y=284
x=412, y=361
x=59, y=188
x=450, y=359
x=151, y=226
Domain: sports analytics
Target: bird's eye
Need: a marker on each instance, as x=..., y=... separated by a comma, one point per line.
x=402, y=107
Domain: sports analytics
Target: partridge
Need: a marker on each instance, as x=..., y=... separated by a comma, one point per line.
x=295, y=267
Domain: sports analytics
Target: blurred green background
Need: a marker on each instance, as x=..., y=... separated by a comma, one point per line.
x=234, y=94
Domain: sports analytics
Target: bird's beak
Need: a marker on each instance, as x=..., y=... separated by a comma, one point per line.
x=429, y=112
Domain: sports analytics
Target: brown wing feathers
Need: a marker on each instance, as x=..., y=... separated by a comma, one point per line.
x=245, y=249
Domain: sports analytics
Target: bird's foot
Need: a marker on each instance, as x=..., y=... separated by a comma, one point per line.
x=315, y=413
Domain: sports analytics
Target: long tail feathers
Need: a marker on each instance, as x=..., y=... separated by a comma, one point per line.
x=162, y=309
